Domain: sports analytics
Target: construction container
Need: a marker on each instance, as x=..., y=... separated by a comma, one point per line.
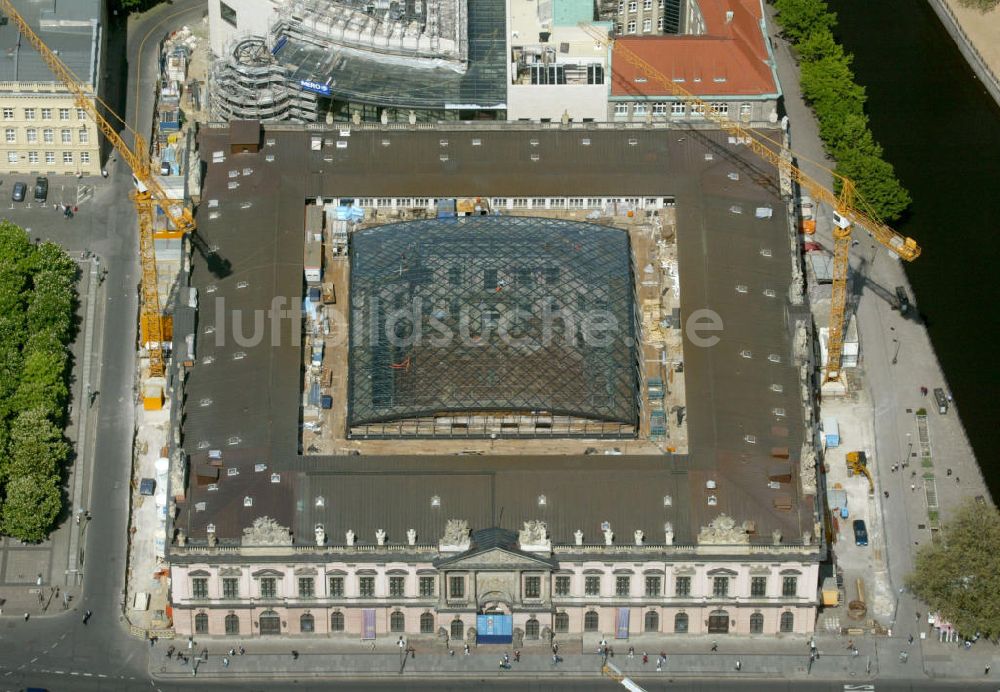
x=831, y=594
x=152, y=395
x=831, y=432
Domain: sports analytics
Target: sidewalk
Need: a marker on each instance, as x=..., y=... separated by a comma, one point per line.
x=269, y=658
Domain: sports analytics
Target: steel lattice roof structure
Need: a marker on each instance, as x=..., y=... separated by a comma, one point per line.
x=506, y=317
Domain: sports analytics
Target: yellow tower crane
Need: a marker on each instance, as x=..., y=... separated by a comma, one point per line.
x=147, y=196
x=849, y=208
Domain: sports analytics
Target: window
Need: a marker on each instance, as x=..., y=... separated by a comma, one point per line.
x=366, y=586
x=633, y=6
x=336, y=587
x=683, y=587
x=32, y=135
x=199, y=587
x=531, y=629
x=337, y=622
x=659, y=24
x=745, y=111
x=427, y=623
x=622, y=585
x=618, y=28
x=84, y=157
x=562, y=586
x=32, y=157
x=201, y=623
x=647, y=25
x=651, y=622
x=631, y=26
x=659, y=109
x=653, y=586
x=46, y=114
x=592, y=586
x=457, y=629
x=677, y=110
x=520, y=202
x=29, y=113
x=227, y=13
x=758, y=587
x=307, y=587
x=397, y=622
x=621, y=109
x=8, y=113
x=81, y=114
x=647, y=4
x=269, y=623
x=427, y=586
x=548, y=74
x=561, y=622
x=48, y=136
x=66, y=136
x=396, y=587
x=67, y=157
x=698, y=110
x=230, y=587
x=787, y=622
x=50, y=157
x=720, y=587
x=307, y=624
x=532, y=587
x=268, y=587
x=790, y=586
x=456, y=587
x=590, y=621
x=11, y=135
x=681, y=623
x=720, y=109
x=64, y=113
x=639, y=109
x=12, y=157
x=595, y=74
x=756, y=623
x=232, y=624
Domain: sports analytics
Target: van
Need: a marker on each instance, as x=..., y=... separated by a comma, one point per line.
x=941, y=399
x=860, y=533
x=41, y=189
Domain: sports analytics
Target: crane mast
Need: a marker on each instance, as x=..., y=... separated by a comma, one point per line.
x=147, y=196
x=849, y=208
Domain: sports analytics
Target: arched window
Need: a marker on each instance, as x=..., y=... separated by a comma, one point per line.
x=307, y=623
x=681, y=623
x=337, y=622
x=427, y=623
x=201, y=623
x=232, y=624
x=562, y=622
x=651, y=622
x=457, y=629
x=397, y=622
x=531, y=629
x=787, y=621
x=269, y=622
x=756, y=623
x=590, y=621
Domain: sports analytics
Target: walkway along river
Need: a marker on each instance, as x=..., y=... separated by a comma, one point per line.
x=941, y=130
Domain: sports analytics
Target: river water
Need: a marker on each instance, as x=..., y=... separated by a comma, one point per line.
x=941, y=130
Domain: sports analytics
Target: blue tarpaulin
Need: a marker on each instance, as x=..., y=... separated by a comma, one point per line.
x=494, y=629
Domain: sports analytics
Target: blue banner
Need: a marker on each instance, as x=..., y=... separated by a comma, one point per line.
x=494, y=629
x=621, y=624
x=315, y=87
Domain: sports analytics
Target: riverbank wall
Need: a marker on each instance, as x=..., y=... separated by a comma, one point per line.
x=986, y=67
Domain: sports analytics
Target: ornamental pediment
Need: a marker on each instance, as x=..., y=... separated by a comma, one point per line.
x=493, y=558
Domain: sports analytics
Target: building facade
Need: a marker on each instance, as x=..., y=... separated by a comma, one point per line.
x=722, y=585
x=44, y=132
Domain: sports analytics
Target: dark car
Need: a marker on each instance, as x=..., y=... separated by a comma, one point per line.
x=41, y=189
x=902, y=300
x=860, y=532
x=19, y=191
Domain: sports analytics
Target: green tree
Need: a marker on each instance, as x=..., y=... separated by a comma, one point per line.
x=959, y=576
x=14, y=246
x=983, y=6
x=31, y=507
x=828, y=85
x=50, y=305
x=35, y=447
x=876, y=181
x=820, y=44
x=48, y=256
x=799, y=18
x=43, y=383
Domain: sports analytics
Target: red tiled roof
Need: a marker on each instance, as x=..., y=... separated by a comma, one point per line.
x=729, y=59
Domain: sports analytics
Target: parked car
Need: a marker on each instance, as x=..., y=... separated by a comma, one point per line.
x=20, y=190
x=902, y=300
x=41, y=189
x=860, y=532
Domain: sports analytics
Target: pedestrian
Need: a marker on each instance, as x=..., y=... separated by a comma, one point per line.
x=400, y=643
x=659, y=664
x=225, y=661
x=190, y=640
x=555, y=648
x=26, y=616
x=850, y=644
x=373, y=645
x=170, y=652
x=913, y=487
x=886, y=493
x=467, y=652
x=555, y=659
x=631, y=652
x=451, y=652
x=909, y=640
x=987, y=671
x=501, y=664
x=715, y=646
x=956, y=479
x=517, y=655
x=242, y=651
x=413, y=652
x=232, y=652
x=295, y=655
x=86, y=618
x=645, y=657
x=151, y=642
x=739, y=664
x=506, y=658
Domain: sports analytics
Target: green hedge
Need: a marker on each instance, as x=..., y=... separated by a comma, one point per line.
x=828, y=86
x=37, y=301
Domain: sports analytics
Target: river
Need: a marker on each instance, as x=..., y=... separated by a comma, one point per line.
x=941, y=130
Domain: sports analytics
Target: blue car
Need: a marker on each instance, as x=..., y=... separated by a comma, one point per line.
x=860, y=532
